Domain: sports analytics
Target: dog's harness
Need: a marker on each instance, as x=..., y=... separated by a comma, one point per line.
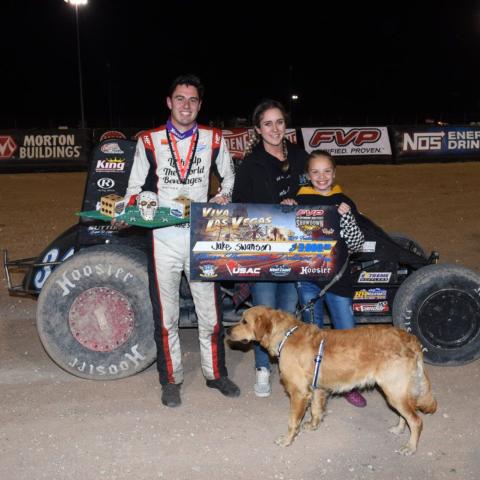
x=318, y=357
x=318, y=360
x=284, y=339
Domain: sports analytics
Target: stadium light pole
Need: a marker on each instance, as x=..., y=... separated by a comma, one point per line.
x=76, y=4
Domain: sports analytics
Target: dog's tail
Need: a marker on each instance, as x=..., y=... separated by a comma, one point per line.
x=421, y=389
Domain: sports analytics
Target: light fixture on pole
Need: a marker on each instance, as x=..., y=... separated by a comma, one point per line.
x=76, y=4
x=293, y=99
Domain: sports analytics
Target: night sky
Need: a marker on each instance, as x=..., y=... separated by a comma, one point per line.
x=376, y=62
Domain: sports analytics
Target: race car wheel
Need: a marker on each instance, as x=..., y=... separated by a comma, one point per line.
x=440, y=304
x=94, y=314
x=408, y=243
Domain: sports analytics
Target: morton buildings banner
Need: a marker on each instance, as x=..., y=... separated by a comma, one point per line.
x=252, y=242
x=38, y=149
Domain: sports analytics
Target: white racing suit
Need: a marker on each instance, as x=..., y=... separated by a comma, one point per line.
x=154, y=168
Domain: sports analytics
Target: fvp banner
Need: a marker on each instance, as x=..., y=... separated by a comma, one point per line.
x=348, y=141
x=252, y=242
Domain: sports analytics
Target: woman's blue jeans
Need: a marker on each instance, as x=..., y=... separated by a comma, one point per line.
x=340, y=308
x=278, y=295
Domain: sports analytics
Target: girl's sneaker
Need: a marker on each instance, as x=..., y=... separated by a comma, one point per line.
x=355, y=398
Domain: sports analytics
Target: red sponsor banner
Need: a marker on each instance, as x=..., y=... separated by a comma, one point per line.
x=7, y=147
x=236, y=140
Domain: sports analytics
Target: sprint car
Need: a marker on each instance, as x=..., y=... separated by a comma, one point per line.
x=97, y=325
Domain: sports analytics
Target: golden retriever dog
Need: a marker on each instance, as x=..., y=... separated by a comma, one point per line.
x=361, y=357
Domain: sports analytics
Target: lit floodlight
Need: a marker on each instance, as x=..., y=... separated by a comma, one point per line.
x=77, y=3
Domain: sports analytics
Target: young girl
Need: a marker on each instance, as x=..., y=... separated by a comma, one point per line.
x=320, y=169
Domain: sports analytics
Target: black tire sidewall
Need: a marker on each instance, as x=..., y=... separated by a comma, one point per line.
x=418, y=287
x=120, y=268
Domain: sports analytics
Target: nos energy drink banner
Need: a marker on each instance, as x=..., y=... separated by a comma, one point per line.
x=426, y=144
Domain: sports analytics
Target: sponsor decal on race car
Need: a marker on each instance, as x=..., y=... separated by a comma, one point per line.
x=279, y=270
x=370, y=294
x=102, y=230
x=114, y=164
x=368, y=247
x=112, y=148
x=112, y=134
x=374, y=277
x=51, y=256
x=379, y=307
x=106, y=184
x=208, y=271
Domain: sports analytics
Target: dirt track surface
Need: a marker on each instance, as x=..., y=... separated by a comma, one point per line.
x=56, y=426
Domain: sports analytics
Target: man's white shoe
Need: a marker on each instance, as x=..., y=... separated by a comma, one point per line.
x=262, y=385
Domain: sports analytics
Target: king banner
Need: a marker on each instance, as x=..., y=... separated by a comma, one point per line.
x=252, y=242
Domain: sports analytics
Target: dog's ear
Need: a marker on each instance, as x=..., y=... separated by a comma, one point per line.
x=263, y=328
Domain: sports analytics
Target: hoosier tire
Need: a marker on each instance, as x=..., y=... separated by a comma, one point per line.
x=440, y=304
x=94, y=314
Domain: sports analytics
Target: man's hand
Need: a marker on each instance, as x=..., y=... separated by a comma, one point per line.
x=288, y=201
x=220, y=199
x=120, y=225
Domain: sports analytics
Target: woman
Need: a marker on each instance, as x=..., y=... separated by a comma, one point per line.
x=272, y=171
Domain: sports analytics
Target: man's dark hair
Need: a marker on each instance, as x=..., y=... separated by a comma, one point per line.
x=187, y=79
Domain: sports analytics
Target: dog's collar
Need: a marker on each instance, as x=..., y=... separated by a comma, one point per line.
x=284, y=339
x=318, y=360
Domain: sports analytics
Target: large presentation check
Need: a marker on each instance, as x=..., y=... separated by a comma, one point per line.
x=252, y=242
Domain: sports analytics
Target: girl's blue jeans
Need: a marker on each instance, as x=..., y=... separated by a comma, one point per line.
x=340, y=308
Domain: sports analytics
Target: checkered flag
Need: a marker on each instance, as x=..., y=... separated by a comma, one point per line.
x=351, y=233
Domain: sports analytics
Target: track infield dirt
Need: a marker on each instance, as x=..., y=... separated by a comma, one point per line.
x=57, y=426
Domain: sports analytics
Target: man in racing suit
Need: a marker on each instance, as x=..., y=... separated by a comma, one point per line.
x=175, y=159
